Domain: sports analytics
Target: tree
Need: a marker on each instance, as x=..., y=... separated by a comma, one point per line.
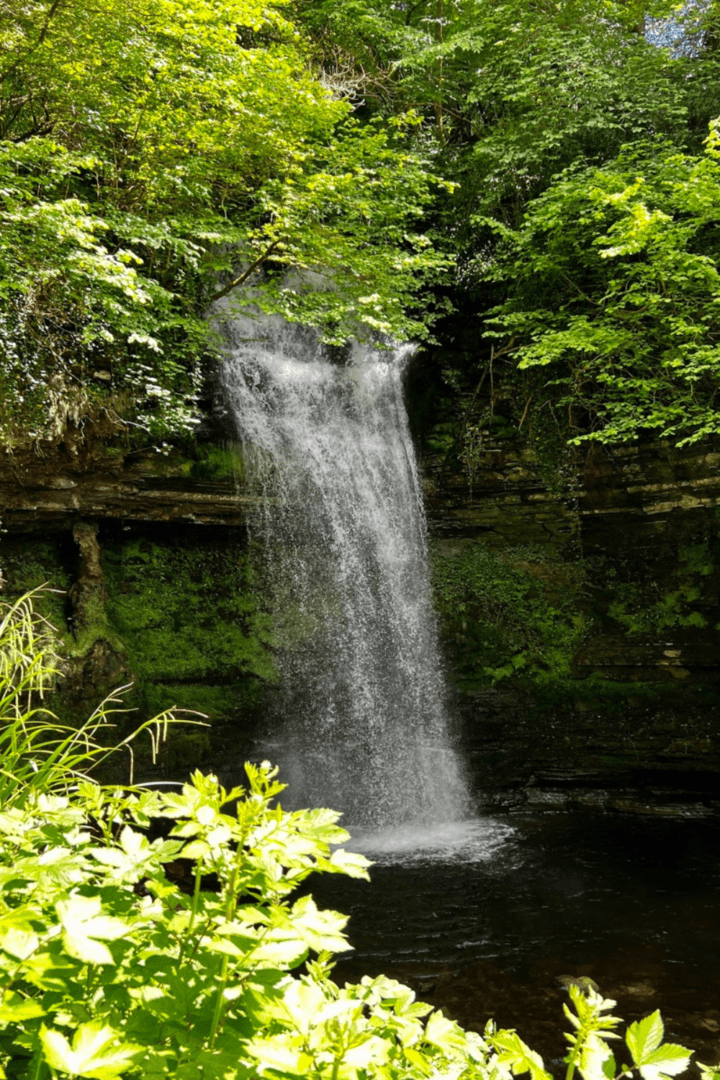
x=150, y=156
x=551, y=111
x=613, y=286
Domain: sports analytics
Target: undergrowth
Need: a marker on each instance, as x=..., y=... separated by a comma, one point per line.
x=509, y=611
x=109, y=967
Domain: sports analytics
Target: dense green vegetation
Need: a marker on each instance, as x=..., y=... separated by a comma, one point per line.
x=508, y=612
x=583, y=228
x=549, y=170
x=109, y=967
x=191, y=622
x=154, y=157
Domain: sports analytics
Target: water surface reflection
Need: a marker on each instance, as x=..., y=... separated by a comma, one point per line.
x=486, y=918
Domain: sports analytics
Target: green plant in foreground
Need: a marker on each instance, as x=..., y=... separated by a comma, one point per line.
x=27, y=657
x=589, y=1052
x=109, y=968
x=37, y=752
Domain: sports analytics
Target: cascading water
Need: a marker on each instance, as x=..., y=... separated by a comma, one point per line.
x=362, y=724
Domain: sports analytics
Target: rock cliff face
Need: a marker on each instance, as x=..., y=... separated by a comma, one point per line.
x=48, y=495
x=147, y=555
x=629, y=717
x=511, y=497
x=578, y=600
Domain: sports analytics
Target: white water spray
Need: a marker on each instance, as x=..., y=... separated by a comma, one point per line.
x=361, y=712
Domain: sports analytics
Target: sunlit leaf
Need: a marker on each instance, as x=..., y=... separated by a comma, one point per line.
x=97, y=1051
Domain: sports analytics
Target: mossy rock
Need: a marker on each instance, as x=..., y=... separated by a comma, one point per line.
x=187, y=613
x=508, y=613
x=28, y=563
x=186, y=751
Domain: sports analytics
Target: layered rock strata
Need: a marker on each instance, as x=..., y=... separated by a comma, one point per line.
x=634, y=720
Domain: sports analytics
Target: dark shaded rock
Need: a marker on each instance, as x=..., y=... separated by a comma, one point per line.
x=39, y=496
x=626, y=542
x=660, y=759
x=87, y=595
x=96, y=659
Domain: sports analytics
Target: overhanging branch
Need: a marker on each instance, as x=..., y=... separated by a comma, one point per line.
x=244, y=276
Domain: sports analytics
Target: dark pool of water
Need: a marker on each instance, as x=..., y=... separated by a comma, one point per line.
x=490, y=928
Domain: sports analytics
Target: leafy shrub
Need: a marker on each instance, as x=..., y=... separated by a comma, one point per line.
x=109, y=967
x=644, y=607
x=167, y=158
x=38, y=753
x=614, y=284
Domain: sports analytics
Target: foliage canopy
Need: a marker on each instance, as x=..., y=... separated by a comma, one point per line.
x=614, y=287
x=583, y=223
x=149, y=153
x=154, y=157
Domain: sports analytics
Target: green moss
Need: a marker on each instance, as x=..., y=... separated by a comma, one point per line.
x=508, y=612
x=216, y=463
x=650, y=607
x=27, y=564
x=191, y=621
x=94, y=627
x=183, y=615
x=597, y=693
x=187, y=750
x=207, y=698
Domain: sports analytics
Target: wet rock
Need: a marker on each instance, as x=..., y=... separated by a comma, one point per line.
x=637, y=726
x=41, y=496
x=97, y=661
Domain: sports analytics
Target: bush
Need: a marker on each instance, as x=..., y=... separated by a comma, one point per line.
x=38, y=753
x=110, y=965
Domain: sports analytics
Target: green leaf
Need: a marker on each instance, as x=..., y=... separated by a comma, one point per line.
x=97, y=1051
x=609, y=1067
x=668, y=1060
x=19, y=943
x=443, y=1033
x=512, y=1051
x=85, y=928
x=654, y=1058
x=14, y=1008
x=644, y=1036
x=283, y=1053
x=321, y=930
x=347, y=862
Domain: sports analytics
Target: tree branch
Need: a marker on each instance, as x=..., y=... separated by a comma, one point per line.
x=244, y=276
x=43, y=34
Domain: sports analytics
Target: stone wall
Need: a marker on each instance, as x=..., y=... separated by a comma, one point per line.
x=41, y=495
x=578, y=600
x=146, y=560
x=626, y=541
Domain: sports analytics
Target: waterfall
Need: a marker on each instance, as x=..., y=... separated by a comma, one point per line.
x=360, y=720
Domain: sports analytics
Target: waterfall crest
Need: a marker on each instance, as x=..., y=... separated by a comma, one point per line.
x=361, y=713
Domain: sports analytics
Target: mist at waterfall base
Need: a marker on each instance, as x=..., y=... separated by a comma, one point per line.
x=359, y=717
